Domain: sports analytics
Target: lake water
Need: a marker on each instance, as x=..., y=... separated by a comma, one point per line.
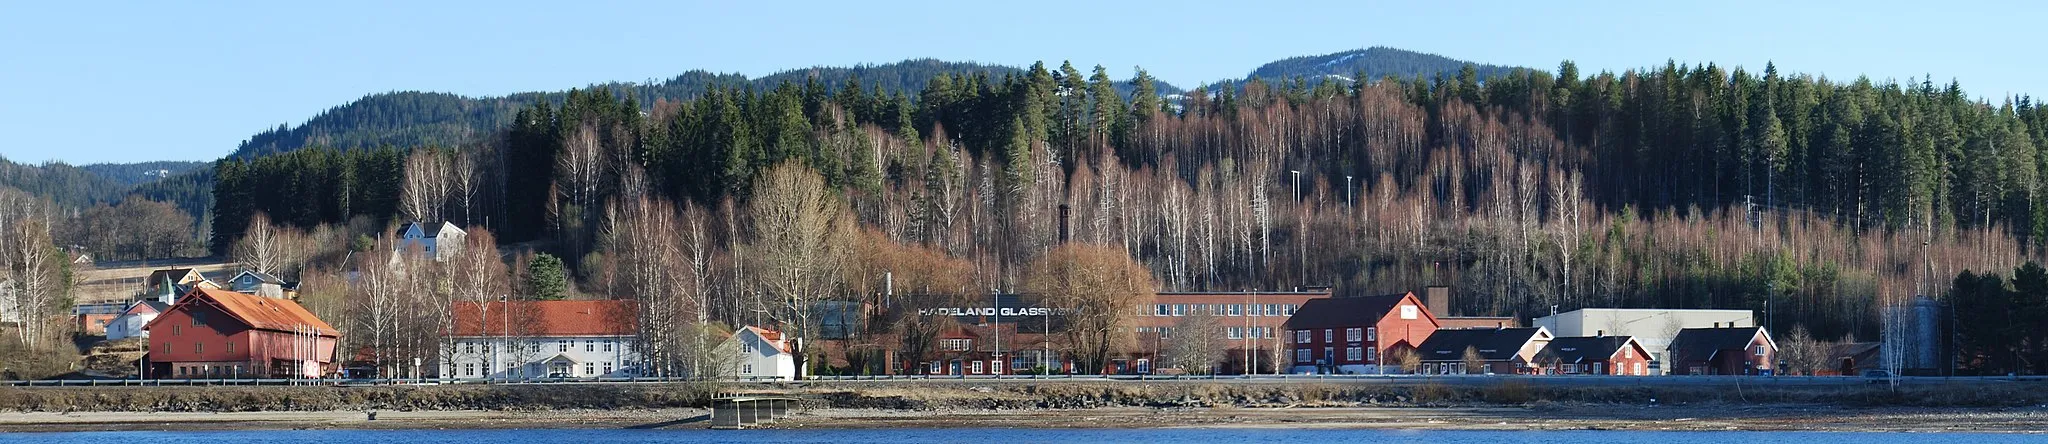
x=1207, y=436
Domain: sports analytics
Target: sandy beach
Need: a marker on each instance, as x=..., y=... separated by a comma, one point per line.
x=1584, y=417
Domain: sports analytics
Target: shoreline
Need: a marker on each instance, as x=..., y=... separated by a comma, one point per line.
x=1554, y=417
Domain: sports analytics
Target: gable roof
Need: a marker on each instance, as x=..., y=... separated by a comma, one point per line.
x=547, y=318
x=257, y=312
x=1493, y=344
x=772, y=336
x=1702, y=343
x=173, y=274
x=260, y=277
x=146, y=306
x=1349, y=312
x=1574, y=349
x=428, y=229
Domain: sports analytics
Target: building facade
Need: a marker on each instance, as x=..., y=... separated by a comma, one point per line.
x=764, y=355
x=438, y=240
x=1723, y=351
x=212, y=333
x=1250, y=326
x=1490, y=351
x=129, y=324
x=1654, y=328
x=525, y=340
x=1356, y=335
x=1594, y=355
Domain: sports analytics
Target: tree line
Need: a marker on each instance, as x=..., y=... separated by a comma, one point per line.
x=1817, y=202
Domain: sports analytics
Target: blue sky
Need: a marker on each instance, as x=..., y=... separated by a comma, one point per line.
x=87, y=82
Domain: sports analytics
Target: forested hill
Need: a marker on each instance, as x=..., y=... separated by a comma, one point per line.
x=79, y=187
x=1371, y=64
x=412, y=118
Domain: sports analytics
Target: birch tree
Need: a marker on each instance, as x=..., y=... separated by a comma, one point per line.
x=798, y=239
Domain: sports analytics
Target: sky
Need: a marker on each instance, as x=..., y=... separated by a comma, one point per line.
x=90, y=82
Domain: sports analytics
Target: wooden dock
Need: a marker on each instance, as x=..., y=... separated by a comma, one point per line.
x=742, y=412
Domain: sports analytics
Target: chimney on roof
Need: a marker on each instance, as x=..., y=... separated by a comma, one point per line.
x=1438, y=299
x=1717, y=325
x=1065, y=232
x=1599, y=333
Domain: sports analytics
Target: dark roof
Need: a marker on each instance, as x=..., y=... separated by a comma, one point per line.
x=1695, y=344
x=154, y=306
x=159, y=275
x=427, y=229
x=1583, y=348
x=1493, y=344
x=261, y=276
x=1343, y=312
x=1854, y=350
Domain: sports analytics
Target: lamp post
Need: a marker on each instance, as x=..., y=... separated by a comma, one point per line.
x=995, y=300
x=1300, y=222
x=1347, y=191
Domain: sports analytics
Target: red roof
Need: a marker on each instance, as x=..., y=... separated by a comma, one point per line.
x=772, y=336
x=259, y=312
x=549, y=318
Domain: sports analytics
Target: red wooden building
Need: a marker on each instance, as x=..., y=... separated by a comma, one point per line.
x=1354, y=335
x=1595, y=355
x=212, y=333
x=1723, y=351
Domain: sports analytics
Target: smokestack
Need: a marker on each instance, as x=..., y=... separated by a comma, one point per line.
x=1438, y=299
x=1065, y=233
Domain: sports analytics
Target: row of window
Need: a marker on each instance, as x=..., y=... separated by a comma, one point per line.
x=1354, y=334
x=1351, y=354
x=471, y=369
x=197, y=347
x=1223, y=309
x=1229, y=332
x=563, y=345
x=970, y=367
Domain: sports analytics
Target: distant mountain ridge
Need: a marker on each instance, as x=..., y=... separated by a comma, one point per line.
x=85, y=186
x=414, y=118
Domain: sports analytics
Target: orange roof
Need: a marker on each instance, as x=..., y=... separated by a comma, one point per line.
x=549, y=318
x=774, y=337
x=260, y=312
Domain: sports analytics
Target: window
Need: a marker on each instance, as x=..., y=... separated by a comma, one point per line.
x=1272, y=309
x=1354, y=354
x=1408, y=312
x=1237, y=309
x=1288, y=309
x=746, y=347
x=1301, y=336
x=1266, y=332
x=1180, y=309
x=977, y=367
x=749, y=368
x=231, y=348
x=959, y=344
x=1234, y=332
x=562, y=345
x=589, y=346
x=1354, y=334
x=1301, y=355
x=1161, y=310
x=177, y=330
x=167, y=348
x=1329, y=335
x=934, y=370
x=1372, y=334
x=1144, y=366
x=468, y=347
x=607, y=346
x=199, y=347
x=589, y=368
x=1372, y=355
x=1329, y=354
x=1759, y=352
x=468, y=369
x=995, y=367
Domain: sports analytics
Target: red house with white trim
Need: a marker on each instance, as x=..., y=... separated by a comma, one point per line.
x=1354, y=335
x=213, y=333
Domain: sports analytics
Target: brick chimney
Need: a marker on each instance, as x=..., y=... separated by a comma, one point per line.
x=1438, y=299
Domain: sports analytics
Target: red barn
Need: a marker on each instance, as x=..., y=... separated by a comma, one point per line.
x=212, y=333
x=1595, y=355
x=1353, y=335
x=1723, y=351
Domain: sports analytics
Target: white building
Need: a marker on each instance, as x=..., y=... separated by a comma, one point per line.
x=541, y=339
x=764, y=355
x=439, y=240
x=129, y=323
x=257, y=283
x=1654, y=328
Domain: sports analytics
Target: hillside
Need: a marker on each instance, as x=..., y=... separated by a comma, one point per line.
x=67, y=185
x=1375, y=62
x=139, y=173
x=414, y=118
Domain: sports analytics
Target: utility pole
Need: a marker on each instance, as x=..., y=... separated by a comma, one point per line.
x=995, y=300
x=1300, y=223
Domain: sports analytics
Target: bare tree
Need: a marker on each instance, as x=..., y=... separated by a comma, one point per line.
x=800, y=230
x=39, y=290
x=426, y=186
x=1099, y=288
x=1195, y=343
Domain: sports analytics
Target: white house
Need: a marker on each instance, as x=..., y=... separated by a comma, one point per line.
x=764, y=355
x=257, y=283
x=129, y=323
x=539, y=339
x=440, y=240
